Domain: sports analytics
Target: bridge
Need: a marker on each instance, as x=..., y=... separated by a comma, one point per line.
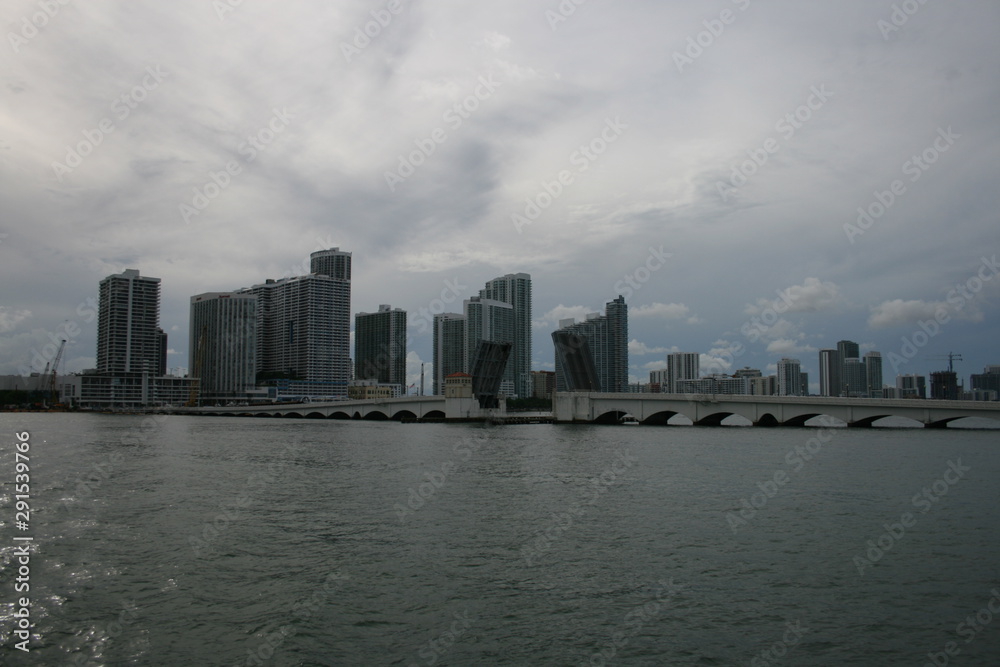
x=654, y=409
x=711, y=410
x=406, y=408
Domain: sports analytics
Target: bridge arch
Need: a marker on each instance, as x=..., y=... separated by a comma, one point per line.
x=611, y=417
x=767, y=420
x=376, y=416
x=404, y=415
x=661, y=418
x=800, y=420
x=435, y=414
x=714, y=419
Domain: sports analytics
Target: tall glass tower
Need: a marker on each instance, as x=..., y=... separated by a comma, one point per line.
x=515, y=289
x=380, y=346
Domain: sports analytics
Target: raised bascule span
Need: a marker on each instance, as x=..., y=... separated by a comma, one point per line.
x=650, y=409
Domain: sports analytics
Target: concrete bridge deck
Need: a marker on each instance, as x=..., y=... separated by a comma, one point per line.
x=711, y=410
x=590, y=407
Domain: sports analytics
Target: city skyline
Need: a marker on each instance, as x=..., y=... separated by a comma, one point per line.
x=850, y=197
x=334, y=263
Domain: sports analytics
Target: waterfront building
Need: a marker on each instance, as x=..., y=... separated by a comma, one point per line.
x=789, y=377
x=223, y=344
x=515, y=289
x=873, y=374
x=829, y=373
x=681, y=366
x=607, y=340
x=303, y=334
x=380, y=346
x=129, y=338
x=449, y=355
x=911, y=386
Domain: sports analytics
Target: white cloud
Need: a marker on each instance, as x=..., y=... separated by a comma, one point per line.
x=898, y=312
x=787, y=347
x=551, y=319
x=811, y=296
x=641, y=349
x=9, y=319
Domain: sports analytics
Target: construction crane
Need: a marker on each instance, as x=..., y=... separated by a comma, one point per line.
x=55, y=371
x=199, y=354
x=951, y=357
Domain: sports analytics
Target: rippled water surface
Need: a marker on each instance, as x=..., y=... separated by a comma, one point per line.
x=214, y=541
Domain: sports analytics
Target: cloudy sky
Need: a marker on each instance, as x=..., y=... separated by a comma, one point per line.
x=706, y=160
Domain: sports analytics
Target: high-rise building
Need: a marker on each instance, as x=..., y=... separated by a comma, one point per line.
x=873, y=374
x=304, y=328
x=380, y=346
x=515, y=289
x=853, y=377
x=223, y=344
x=607, y=340
x=681, y=366
x=789, y=377
x=944, y=385
x=988, y=380
x=911, y=386
x=852, y=373
x=449, y=349
x=804, y=384
x=493, y=321
x=658, y=381
x=848, y=349
x=131, y=349
x=129, y=339
x=544, y=384
x=829, y=373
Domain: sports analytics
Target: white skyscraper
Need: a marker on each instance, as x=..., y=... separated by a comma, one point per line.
x=789, y=377
x=681, y=366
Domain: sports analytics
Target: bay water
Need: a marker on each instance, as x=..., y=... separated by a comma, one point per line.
x=176, y=540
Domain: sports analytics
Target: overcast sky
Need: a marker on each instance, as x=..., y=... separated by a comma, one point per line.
x=716, y=153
